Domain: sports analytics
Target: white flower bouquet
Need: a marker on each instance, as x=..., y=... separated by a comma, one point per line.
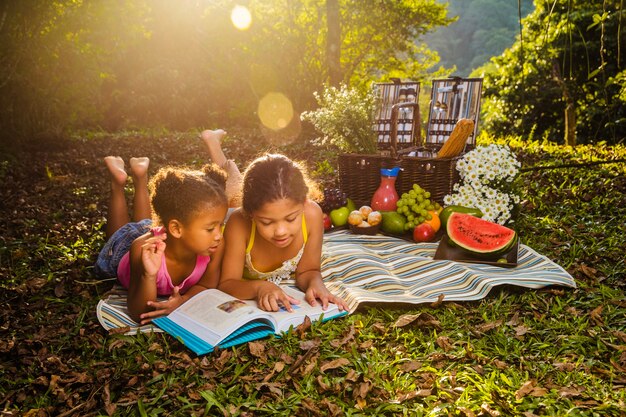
x=487, y=175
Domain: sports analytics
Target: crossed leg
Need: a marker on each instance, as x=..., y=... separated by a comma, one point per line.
x=117, y=215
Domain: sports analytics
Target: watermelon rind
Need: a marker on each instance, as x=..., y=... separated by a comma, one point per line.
x=478, y=236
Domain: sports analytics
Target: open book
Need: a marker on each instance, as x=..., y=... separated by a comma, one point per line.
x=213, y=318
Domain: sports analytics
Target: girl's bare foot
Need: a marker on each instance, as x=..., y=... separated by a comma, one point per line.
x=139, y=166
x=213, y=141
x=115, y=165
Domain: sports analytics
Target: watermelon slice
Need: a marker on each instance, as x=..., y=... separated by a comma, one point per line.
x=478, y=236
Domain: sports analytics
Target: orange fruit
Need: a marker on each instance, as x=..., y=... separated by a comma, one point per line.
x=434, y=222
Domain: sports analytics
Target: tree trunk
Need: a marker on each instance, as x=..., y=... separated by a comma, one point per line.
x=333, y=42
x=570, y=107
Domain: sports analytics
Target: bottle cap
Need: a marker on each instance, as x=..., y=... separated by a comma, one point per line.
x=393, y=172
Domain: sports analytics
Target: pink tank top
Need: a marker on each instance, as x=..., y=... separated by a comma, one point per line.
x=163, y=280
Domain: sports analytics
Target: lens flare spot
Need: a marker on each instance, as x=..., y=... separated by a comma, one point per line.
x=275, y=111
x=241, y=17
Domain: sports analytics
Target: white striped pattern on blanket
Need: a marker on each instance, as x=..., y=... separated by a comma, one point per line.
x=113, y=314
x=383, y=269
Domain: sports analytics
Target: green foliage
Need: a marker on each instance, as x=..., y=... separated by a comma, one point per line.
x=482, y=29
x=570, y=50
x=89, y=64
x=345, y=117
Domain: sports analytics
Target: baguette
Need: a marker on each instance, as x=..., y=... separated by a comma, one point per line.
x=456, y=142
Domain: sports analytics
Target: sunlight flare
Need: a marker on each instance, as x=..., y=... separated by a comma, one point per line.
x=275, y=111
x=241, y=17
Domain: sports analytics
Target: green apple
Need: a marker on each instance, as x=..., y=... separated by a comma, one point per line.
x=339, y=216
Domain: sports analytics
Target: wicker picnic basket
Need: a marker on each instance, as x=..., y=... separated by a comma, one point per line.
x=359, y=174
x=451, y=99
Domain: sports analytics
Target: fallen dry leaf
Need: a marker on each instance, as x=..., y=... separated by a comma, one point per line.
x=309, y=405
x=337, y=363
x=362, y=389
x=589, y=272
x=569, y=392
x=467, y=412
x=596, y=315
x=367, y=344
x=273, y=387
x=418, y=320
x=310, y=366
x=323, y=385
x=257, y=349
x=348, y=337
x=521, y=330
x=310, y=344
x=564, y=366
x=500, y=364
x=620, y=335
x=352, y=376
x=514, y=320
x=379, y=328
x=444, y=343
x=485, y=327
x=530, y=388
x=438, y=302
x=333, y=408
x=486, y=408
x=410, y=366
x=303, y=328
x=361, y=403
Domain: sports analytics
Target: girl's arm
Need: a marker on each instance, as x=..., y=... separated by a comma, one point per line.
x=209, y=279
x=267, y=294
x=146, y=255
x=308, y=273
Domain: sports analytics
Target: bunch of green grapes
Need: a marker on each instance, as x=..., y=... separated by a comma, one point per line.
x=415, y=206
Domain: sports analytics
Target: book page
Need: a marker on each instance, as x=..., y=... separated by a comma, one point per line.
x=285, y=319
x=212, y=315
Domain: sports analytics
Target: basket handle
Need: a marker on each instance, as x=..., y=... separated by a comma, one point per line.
x=417, y=131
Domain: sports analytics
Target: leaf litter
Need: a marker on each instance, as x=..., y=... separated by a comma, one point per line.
x=56, y=360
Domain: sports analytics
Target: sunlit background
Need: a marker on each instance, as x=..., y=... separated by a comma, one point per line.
x=188, y=64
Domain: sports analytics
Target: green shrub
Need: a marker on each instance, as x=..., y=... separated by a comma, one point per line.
x=345, y=117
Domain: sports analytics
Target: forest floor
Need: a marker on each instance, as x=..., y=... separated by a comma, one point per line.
x=56, y=359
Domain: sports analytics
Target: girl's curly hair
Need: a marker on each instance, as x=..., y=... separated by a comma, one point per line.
x=179, y=193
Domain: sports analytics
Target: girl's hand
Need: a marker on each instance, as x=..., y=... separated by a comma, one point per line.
x=151, y=254
x=317, y=290
x=163, y=308
x=270, y=296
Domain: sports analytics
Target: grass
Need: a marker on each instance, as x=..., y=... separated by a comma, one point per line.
x=548, y=352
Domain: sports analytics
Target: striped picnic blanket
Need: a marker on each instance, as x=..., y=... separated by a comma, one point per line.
x=113, y=314
x=383, y=269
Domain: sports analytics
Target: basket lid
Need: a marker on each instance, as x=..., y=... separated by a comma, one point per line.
x=393, y=172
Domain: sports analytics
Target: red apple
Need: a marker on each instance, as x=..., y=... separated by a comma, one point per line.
x=423, y=232
x=327, y=223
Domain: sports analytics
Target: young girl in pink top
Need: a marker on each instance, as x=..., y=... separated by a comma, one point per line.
x=275, y=236
x=180, y=251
